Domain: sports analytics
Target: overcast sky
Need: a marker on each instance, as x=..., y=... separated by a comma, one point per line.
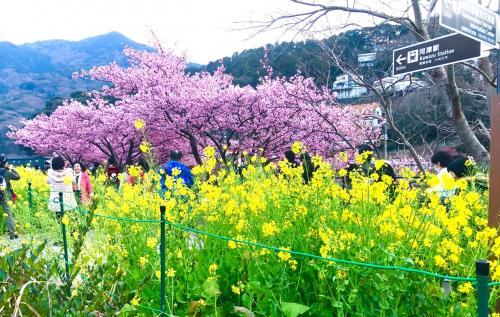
x=203, y=29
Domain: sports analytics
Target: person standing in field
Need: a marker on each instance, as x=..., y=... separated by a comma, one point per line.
x=440, y=161
x=82, y=185
x=113, y=171
x=291, y=158
x=7, y=174
x=60, y=180
x=177, y=170
x=308, y=167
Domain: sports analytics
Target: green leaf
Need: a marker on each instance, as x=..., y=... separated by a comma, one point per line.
x=254, y=286
x=246, y=300
x=293, y=309
x=211, y=288
x=3, y=275
x=126, y=310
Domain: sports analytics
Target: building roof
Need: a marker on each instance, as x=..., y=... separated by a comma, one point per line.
x=364, y=108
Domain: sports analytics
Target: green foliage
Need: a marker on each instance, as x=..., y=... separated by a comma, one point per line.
x=293, y=309
x=309, y=57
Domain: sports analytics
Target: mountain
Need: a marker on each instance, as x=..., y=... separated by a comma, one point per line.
x=32, y=74
x=36, y=77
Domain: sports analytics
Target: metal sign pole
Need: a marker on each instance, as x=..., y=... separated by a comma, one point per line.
x=494, y=197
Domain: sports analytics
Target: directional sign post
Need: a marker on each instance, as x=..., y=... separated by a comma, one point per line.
x=440, y=51
x=494, y=210
x=471, y=19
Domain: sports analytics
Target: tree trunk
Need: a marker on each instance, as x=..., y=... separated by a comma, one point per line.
x=461, y=125
x=194, y=146
x=453, y=103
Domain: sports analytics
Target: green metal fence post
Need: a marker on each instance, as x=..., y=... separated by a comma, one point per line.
x=163, y=296
x=30, y=196
x=65, y=242
x=483, y=291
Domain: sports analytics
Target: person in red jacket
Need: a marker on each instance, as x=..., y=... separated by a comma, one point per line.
x=82, y=185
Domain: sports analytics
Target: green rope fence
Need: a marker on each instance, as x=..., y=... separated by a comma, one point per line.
x=298, y=253
x=481, y=279
x=313, y=256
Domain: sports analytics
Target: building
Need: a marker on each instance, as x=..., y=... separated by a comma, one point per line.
x=372, y=113
x=400, y=85
x=346, y=88
x=38, y=162
x=367, y=59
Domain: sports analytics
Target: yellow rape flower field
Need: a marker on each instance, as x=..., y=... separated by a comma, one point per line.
x=114, y=244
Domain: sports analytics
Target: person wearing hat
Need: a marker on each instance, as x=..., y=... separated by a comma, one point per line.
x=7, y=174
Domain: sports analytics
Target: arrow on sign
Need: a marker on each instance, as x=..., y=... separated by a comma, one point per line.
x=399, y=59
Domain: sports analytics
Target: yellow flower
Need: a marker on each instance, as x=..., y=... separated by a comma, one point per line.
x=448, y=181
x=27, y=226
x=142, y=261
x=65, y=220
x=176, y=171
x=158, y=274
x=293, y=264
x=213, y=268
x=298, y=147
x=269, y=229
x=74, y=293
x=440, y=261
x=139, y=124
x=134, y=301
x=134, y=171
x=342, y=172
x=236, y=290
x=145, y=147
x=379, y=164
x=363, y=157
x=465, y=288
x=343, y=157
x=341, y=274
x=231, y=244
x=284, y=256
x=151, y=242
x=209, y=151
x=171, y=273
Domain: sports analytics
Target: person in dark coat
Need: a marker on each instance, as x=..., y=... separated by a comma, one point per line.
x=290, y=157
x=7, y=174
x=308, y=167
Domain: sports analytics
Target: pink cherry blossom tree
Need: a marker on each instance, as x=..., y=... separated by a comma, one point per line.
x=190, y=111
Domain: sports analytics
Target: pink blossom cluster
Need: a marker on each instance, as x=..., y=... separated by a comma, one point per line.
x=187, y=112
